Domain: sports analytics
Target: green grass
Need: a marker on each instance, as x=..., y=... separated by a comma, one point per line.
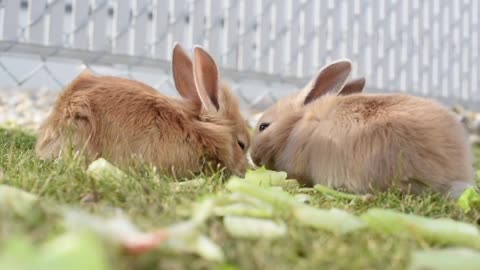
x=151, y=202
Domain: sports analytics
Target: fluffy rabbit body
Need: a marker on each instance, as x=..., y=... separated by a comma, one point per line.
x=363, y=142
x=122, y=119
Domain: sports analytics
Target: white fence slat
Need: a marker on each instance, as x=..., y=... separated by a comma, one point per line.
x=99, y=39
x=294, y=44
x=248, y=33
x=456, y=25
x=430, y=61
x=459, y=44
x=351, y=25
x=442, y=47
x=450, y=52
x=471, y=64
x=55, y=27
x=475, y=43
x=458, y=56
x=161, y=29
x=264, y=35
x=362, y=39
x=121, y=26
x=36, y=21
x=477, y=27
x=279, y=57
x=381, y=26
x=189, y=27
x=178, y=34
x=140, y=34
x=446, y=45
x=215, y=41
x=80, y=24
x=459, y=47
x=410, y=13
x=10, y=20
x=466, y=55
x=231, y=50
x=420, y=83
x=309, y=38
x=401, y=46
x=336, y=29
x=433, y=48
x=386, y=30
x=198, y=20
x=372, y=66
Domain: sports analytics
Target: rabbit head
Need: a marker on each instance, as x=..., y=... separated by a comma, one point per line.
x=199, y=83
x=275, y=125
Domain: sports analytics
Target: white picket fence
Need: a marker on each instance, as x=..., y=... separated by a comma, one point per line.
x=428, y=47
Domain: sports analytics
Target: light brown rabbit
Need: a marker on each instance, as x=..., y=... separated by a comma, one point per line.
x=363, y=142
x=121, y=119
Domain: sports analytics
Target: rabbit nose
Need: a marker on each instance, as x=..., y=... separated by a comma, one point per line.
x=240, y=172
x=256, y=160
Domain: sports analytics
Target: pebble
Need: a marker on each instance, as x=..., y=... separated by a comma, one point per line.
x=471, y=122
x=25, y=108
x=92, y=197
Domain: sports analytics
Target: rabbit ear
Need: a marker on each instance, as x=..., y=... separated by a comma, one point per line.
x=330, y=79
x=182, y=70
x=206, y=78
x=353, y=87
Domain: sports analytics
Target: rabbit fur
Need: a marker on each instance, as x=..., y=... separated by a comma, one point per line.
x=122, y=120
x=363, y=142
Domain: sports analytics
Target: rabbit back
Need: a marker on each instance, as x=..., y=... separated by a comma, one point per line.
x=373, y=141
x=116, y=118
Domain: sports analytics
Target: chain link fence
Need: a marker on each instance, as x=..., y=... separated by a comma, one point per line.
x=265, y=48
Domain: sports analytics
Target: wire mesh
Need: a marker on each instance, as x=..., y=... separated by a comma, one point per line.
x=265, y=49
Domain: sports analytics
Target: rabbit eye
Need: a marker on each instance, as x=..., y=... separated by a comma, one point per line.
x=263, y=126
x=241, y=144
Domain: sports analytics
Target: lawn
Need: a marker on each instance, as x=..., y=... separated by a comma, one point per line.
x=151, y=201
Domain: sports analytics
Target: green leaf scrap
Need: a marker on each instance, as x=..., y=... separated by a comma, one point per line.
x=267, y=178
x=445, y=259
x=469, y=199
x=254, y=228
x=443, y=231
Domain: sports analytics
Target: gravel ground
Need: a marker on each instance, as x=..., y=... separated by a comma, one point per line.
x=27, y=108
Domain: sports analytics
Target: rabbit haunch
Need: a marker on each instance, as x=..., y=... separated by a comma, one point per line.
x=364, y=142
x=122, y=119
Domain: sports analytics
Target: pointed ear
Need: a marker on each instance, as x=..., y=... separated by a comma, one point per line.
x=330, y=79
x=182, y=70
x=206, y=78
x=353, y=87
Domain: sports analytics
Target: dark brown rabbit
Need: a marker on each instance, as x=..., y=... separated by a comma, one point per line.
x=122, y=119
